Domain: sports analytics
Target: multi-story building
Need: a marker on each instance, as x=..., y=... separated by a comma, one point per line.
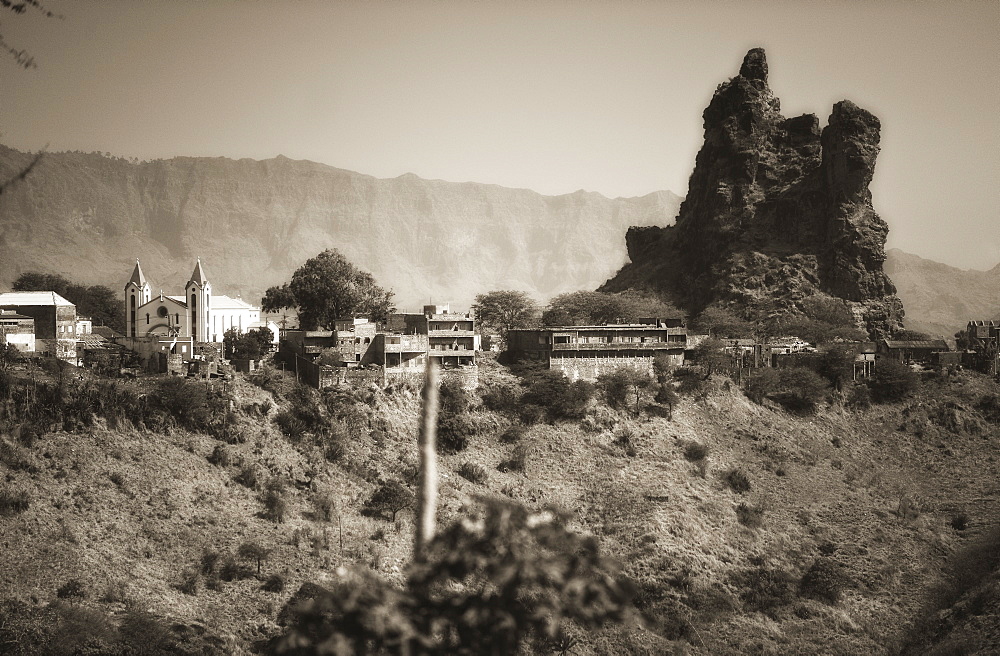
x=356, y=341
x=983, y=337
x=451, y=336
x=586, y=352
x=55, y=321
x=17, y=330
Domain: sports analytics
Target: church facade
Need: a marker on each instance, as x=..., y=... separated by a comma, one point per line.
x=197, y=315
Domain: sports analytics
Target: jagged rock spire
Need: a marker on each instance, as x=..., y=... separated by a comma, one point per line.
x=198, y=275
x=137, y=278
x=755, y=65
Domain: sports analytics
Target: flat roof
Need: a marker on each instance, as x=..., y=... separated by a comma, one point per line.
x=33, y=298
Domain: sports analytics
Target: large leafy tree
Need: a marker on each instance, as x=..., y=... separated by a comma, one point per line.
x=504, y=310
x=327, y=288
x=98, y=302
x=595, y=308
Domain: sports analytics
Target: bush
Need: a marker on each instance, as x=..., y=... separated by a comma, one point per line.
x=390, y=497
x=695, y=451
x=859, y=397
x=800, y=389
x=473, y=472
x=220, y=456
x=761, y=383
x=13, y=502
x=518, y=461
x=247, y=476
x=291, y=425
x=274, y=583
x=514, y=434
x=502, y=398
x=960, y=521
x=210, y=559
x=737, y=480
x=765, y=589
x=824, y=581
x=452, y=397
x=231, y=570
x=253, y=552
x=625, y=439
x=72, y=589
x=190, y=578
x=454, y=431
x=325, y=505
x=750, y=516
x=273, y=498
x=624, y=387
x=560, y=398
x=892, y=381
x=989, y=407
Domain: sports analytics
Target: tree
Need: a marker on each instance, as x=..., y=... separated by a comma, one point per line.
x=255, y=552
x=595, y=308
x=327, y=288
x=836, y=364
x=250, y=345
x=892, y=381
x=711, y=355
x=390, y=497
x=623, y=386
x=504, y=310
x=717, y=321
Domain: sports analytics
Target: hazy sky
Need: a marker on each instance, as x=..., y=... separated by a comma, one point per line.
x=553, y=96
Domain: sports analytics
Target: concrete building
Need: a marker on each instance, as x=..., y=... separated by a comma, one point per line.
x=586, y=352
x=198, y=315
x=356, y=341
x=909, y=351
x=451, y=336
x=17, y=330
x=55, y=321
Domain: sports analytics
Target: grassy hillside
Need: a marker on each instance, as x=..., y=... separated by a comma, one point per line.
x=746, y=529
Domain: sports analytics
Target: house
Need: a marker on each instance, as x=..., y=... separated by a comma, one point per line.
x=586, y=352
x=17, y=330
x=356, y=341
x=451, y=336
x=909, y=351
x=55, y=321
x=983, y=338
x=198, y=315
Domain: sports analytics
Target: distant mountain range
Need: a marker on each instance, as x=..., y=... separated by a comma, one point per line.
x=88, y=216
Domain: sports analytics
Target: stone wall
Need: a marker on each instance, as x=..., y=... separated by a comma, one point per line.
x=591, y=368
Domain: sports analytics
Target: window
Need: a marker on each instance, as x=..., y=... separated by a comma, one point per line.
x=161, y=311
x=147, y=318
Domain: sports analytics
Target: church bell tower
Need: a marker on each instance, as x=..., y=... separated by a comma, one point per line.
x=198, y=292
x=137, y=293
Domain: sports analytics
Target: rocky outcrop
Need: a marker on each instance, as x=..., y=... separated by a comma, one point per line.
x=88, y=216
x=776, y=210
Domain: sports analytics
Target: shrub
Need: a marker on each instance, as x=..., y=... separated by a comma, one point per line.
x=800, y=389
x=892, y=381
x=454, y=432
x=247, y=476
x=513, y=434
x=625, y=439
x=692, y=382
x=452, y=397
x=667, y=396
x=72, y=589
x=390, y=497
x=13, y=502
x=220, y=456
x=210, y=559
x=273, y=498
x=189, y=581
x=750, y=516
x=989, y=407
x=502, y=398
x=737, y=480
x=325, y=505
x=824, y=581
x=274, y=583
x=518, y=461
x=290, y=425
x=560, y=398
x=231, y=570
x=761, y=383
x=859, y=397
x=764, y=588
x=473, y=472
x=695, y=451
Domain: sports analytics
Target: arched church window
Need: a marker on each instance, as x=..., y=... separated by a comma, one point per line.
x=161, y=312
x=147, y=318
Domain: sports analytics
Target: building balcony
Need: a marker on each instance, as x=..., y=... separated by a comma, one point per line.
x=619, y=346
x=451, y=333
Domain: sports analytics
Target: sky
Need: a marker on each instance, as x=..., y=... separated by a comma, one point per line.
x=549, y=95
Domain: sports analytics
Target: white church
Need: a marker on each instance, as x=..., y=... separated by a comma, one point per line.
x=198, y=314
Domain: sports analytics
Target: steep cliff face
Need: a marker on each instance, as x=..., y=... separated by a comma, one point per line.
x=776, y=210
x=88, y=217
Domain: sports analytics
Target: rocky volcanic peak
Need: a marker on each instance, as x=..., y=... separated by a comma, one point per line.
x=776, y=210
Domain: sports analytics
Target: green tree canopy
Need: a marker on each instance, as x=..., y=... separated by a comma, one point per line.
x=595, y=308
x=327, y=288
x=504, y=310
x=98, y=302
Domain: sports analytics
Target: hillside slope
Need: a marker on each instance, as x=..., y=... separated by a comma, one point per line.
x=89, y=216
x=130, y=511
